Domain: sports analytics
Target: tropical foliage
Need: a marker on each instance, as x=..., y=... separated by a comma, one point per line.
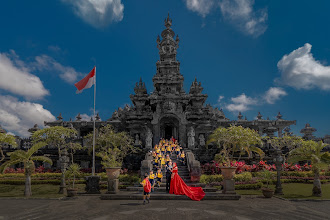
x=235, y=139
x=72, y=172
x=6, y=139
x=56, y=136
x=112, y=147
x=311, y=151
x=27, y=158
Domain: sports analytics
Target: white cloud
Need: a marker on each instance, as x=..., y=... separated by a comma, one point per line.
x=241, y=103
x=98, y=13
x=273, y=94
x=17, y=116
x=68, y=74
x=202, y=7
x=242, y=15
x=85, y=117
x=221, y=97
x=16, y=78
x=300, y=70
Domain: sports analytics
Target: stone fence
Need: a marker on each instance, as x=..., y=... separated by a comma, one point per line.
x=193, y=165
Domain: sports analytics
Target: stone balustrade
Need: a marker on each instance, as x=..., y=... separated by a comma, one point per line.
x=193, y=165
x=146, y=164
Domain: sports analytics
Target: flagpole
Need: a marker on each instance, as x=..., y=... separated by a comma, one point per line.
x=93, y=169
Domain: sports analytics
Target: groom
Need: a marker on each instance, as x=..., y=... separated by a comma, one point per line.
x=168, y=176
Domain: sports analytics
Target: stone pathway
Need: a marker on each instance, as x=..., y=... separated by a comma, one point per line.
x=91, y=207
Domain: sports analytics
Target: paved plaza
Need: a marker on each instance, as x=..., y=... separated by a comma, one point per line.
x=91, y=207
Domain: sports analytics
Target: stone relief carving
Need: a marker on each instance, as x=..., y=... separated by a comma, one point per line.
x=201, y=140
x=191, y=137
x=149, y=139
x=137, y=139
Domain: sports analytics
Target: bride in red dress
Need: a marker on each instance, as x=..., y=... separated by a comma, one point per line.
x=179, y=187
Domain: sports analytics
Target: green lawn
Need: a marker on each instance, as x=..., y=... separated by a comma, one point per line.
x=294, y=191
x=38, y=191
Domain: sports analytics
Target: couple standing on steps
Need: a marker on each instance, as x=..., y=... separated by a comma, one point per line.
x=168, y=176
x=175, y=184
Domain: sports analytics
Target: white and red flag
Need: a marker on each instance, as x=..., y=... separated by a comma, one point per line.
x=87, y=82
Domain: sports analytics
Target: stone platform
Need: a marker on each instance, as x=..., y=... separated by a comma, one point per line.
x=163, y=189
x=165, y=196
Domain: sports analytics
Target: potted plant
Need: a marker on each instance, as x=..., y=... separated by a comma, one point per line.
x=232, y=140
x=268, y=176
x=112, y=147
x=71, y=173
x=110, y=161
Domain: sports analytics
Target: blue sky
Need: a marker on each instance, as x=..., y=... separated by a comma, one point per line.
x=250, y=56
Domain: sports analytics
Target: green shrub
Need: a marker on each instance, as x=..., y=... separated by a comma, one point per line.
x=248, y=186
x=207, y=179
x=127, y=178
x=243, y=177
x=35, y=182
x=260, y=174
x=294, y=173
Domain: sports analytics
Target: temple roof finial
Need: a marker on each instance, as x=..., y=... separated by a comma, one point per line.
x=168, y=21
x=60, y=117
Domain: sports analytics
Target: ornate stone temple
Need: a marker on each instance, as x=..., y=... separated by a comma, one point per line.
x=169, y=110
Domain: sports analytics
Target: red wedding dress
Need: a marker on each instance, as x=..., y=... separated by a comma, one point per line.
x=179, y=187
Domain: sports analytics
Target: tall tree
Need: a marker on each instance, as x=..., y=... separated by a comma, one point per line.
x=56, y=136
x=27, y=158
x=6, y=139
x=311, y=151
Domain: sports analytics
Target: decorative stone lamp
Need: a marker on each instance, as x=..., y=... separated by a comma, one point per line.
x=278, y=160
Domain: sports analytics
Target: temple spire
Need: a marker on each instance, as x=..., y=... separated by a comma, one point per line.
x=168, y=21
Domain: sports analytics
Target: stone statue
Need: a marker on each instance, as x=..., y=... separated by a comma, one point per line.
x=137, y=140
x=191, y=137
x=149, y=139
x=201, y=140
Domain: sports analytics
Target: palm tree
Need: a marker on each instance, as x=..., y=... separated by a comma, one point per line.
x=6, y=139
x=27, y=158
x=312, y=151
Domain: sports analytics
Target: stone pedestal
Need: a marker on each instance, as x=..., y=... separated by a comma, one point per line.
x=113, y=186
x=228, y=187
x=92, y=185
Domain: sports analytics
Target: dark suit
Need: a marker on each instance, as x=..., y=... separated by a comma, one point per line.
x=168, y=177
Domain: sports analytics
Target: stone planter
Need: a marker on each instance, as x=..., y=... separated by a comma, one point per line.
x=228, y=172
x=72, y=192
x=268, y=193
x=113, y=172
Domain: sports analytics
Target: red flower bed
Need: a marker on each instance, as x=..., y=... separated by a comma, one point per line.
x=214, y=167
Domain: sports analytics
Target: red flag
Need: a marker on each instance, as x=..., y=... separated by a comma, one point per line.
x=87, y=82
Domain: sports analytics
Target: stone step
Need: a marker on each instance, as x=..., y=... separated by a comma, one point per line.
x=125, y=195
x=163, y=189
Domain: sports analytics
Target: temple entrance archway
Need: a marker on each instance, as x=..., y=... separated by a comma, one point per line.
x=169, y=126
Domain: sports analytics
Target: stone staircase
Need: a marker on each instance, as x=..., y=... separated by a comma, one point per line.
x=183, y=173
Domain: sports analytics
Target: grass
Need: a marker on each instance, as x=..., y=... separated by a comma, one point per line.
x=38, y=191
x=294, y=191
x=304, y=191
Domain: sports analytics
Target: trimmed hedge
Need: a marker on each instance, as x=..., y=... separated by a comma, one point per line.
x=207, y=179
x=248, y=186
x=242, y=177
x=37, y=182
